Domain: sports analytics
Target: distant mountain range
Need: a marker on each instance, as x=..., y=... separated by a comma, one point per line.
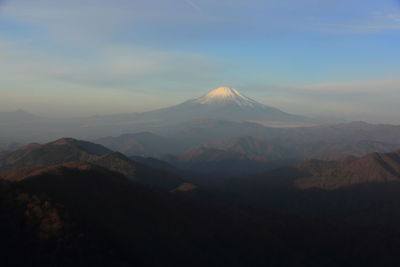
x=227, y=148
x=221, y=134
x=198, y=184
x=221, y=114
x=83, y=214
x=213, y=146
x=267, y=150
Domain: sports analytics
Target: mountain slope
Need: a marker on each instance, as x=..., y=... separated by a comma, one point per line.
x=69, y=150
x=363, y=191
x=98, y=217
x=36, y=231
x=226, y=96
x=372, y=168
x=139, y=172
x=246, y=156
x=8, y=147
x=221, y=103
x=60, y=151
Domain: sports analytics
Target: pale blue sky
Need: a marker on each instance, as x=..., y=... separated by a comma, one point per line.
x=84, y=57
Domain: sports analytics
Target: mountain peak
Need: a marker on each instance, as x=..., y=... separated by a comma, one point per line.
x=224, y=92
x=226, y=95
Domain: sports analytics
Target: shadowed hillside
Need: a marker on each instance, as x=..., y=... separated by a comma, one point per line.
x=361, y=190
x=79, y=213
x=68, y=150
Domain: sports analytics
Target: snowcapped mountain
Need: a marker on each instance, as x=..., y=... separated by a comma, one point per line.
x=221, y=103
x=226, y=96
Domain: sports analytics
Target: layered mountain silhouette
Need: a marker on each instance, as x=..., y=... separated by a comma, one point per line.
x=361, y=190
x=250, y=155
x=82, y=214
x=201, y=183
x=372, y=168
x=69, y=150
x=251, y=141
x=72, y=202
x=179, y=138
x=60, y=151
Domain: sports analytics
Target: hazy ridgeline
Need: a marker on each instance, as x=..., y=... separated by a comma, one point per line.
x=220, y=180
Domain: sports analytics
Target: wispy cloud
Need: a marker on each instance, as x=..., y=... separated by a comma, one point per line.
x=108, y=80
x=123, y=66
x=88, y=20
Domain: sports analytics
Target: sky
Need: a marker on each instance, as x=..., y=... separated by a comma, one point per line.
x=337, y=58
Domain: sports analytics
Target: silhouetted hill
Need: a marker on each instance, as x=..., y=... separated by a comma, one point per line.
x=79, y=213
x=57, y=152
x=363, y=190
x=36, y=231
x=69, y=150
x=372, y=168
x=330, y=175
